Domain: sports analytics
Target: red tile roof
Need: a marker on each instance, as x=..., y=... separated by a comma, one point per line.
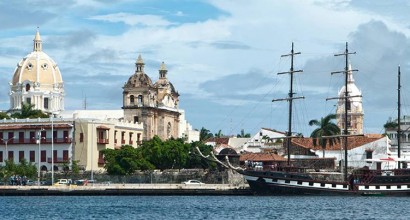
x=261, y=157
x=222, y=140
x=353, y=142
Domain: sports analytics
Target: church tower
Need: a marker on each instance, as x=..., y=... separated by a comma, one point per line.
x=354, y=107
x=37, y=80
x=155, y=105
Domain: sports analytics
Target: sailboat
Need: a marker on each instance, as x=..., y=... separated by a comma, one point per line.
x=297, y=181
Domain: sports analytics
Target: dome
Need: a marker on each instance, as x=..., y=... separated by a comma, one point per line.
x=37, y=80
x=139, y=79
x=352, y=89
x=37, y=68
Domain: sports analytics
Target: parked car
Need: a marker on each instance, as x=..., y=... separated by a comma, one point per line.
x=193, y=182
x=63, y=182
x=30, y=183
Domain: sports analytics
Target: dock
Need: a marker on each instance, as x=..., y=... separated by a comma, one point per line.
x=128, y=190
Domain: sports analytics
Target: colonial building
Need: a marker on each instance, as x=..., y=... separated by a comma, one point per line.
x=153, y=104
x=354, y=107
x=37, y=80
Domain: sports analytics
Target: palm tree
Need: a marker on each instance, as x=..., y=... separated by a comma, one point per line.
x=325, y=128
x=204, y=134
x=27, y=111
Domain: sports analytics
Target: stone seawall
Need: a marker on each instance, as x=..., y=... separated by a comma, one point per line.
x=126, y=189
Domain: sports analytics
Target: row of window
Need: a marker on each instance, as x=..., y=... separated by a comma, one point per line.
x=101, y=137
x=32, y=156
x=21, y=136
x=45, y=102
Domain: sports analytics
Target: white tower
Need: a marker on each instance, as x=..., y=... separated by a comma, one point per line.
x=37, y=80
x=354, y=106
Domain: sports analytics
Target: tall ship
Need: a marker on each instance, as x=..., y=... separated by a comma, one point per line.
x=291, y=180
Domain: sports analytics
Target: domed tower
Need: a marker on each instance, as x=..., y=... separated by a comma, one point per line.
x=354, y=107
x=37, y=80
x=154, y=105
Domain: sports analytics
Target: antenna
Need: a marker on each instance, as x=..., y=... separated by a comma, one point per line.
x=290, y=98
x=398, y=116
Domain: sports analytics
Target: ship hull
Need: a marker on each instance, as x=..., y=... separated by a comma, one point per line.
x=279, y=183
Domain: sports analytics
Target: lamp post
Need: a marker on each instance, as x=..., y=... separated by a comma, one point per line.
x=92, y=151
x=52, y=150
x=6, y=142
x=39, y=156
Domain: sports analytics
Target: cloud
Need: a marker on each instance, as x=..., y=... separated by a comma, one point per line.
x=132, y=19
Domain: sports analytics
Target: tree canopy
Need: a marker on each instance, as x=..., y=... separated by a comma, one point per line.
x=325, y=127
x=27, y=111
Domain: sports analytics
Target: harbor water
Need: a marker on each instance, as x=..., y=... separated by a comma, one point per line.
x=203, y=207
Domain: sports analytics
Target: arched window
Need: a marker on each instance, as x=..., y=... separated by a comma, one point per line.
x=132, y=99
x=140, y=100
x=27, y=87
x=169, y=130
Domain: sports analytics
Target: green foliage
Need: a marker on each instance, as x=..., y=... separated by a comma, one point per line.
x=390, y=125
x=325, y=128
x=205, y=134
x=243, y=135
x=27, y=111
x=22, y=169
x=3, y=115
x=219, y=134
x=124, y=161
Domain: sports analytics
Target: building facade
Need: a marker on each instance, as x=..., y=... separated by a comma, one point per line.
x=354, y=107
x=153, y=104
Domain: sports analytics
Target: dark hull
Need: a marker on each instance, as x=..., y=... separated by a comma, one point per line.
x=282, y=183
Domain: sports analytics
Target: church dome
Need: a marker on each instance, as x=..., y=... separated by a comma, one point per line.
x=37, y=68
x=37, y=80
x=139, y=78
x=352, y=89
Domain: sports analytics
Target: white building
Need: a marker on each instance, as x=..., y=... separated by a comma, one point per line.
x=264, y=139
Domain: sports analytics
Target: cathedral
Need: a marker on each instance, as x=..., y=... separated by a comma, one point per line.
x=153, y=104
x=354, y=107
x=37, y=80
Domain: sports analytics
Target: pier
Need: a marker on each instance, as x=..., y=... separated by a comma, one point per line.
x=128, y=190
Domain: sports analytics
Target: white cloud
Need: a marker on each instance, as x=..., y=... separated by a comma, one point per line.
x=133, y=20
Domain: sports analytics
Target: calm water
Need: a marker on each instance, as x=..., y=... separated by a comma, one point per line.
x=204, y=207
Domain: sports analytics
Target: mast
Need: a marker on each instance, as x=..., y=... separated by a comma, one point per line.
x=398, y=117
x=290, y=99
x=346, y=101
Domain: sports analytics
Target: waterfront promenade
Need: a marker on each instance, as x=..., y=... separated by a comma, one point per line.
x=126, y=189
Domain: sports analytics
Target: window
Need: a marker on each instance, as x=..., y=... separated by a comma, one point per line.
x=1, y=135
x=32, y=156
x=81, y=137
x=136, y=119
x=27, y=87
x=11, y=156
x=54, y=135
x=43, y=156
x=369, y=154
x=140, y=100
x=21, y=155
x=55, y=158
x=1, y=156
x=32, y=137
x=65, y=134
x=132, y=99
x=28, y=101
x=21, y=137
x=65, y=155
x=45, y=103
x=348, y=106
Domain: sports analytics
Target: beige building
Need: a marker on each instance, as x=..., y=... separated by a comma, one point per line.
x=153, y=104
x=354, y=107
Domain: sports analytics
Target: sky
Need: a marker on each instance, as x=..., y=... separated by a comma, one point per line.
x=222, y=56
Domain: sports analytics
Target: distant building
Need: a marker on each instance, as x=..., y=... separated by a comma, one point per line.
x=265, y=138
x=354, y=107
x=37, y=80
x=155, y=105
x=404, y=137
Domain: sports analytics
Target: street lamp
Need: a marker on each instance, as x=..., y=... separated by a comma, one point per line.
x=7, y=141
x=92, y=151
x=39, y=156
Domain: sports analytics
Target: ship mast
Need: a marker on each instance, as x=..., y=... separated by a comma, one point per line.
x=290, y=98
x=398, y=117
x=346, y=102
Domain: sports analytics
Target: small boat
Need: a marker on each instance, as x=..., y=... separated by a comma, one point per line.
x=298, y=181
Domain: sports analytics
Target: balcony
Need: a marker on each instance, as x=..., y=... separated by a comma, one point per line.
x=130, y=142
x=103, y=141
x=57, y=160
x=122, y=141
x=43, y=141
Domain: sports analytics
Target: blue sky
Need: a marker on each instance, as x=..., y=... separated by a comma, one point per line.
x=223, y=56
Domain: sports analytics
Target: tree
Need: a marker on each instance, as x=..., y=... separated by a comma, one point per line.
x=325, y=128
x=219, y=134
x=204, y=134
x=124, y=161
x=243, y=135
x=3, y=115
x=27, y=111
x=390, y=125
